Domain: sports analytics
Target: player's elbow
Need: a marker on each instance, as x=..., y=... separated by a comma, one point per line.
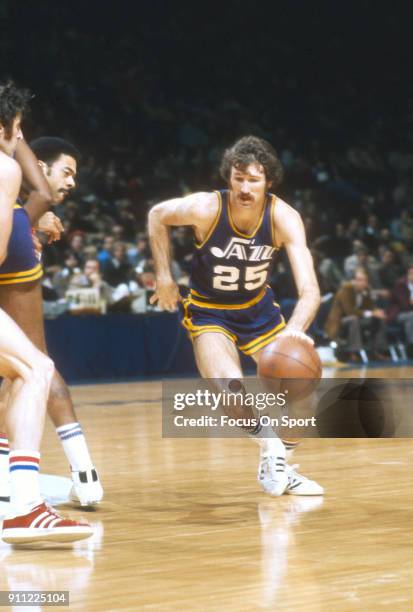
x=155, y=219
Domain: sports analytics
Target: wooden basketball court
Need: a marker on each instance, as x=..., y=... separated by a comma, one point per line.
x=184, y=524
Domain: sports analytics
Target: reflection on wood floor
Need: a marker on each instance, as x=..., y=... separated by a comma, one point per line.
x=185, y=525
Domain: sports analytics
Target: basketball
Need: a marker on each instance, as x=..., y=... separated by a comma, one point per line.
x=291, y=358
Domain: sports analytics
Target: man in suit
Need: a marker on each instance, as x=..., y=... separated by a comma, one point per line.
x=401, y=304
x=353, y=311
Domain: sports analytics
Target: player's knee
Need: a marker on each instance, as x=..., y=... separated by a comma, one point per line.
x=43, y=371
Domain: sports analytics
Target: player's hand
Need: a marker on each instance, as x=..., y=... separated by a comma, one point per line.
x=51, y=225
x=296, y=333
x=167, y=295
x=37, y=246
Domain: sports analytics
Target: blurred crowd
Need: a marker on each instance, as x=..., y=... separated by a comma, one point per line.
x=152, y=104
x=357, y=208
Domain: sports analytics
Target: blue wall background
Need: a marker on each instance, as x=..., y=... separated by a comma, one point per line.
x=119, y=346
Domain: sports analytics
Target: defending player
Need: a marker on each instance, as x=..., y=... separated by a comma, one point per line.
x=21, y=294
x=28, y=372
x=230, y=306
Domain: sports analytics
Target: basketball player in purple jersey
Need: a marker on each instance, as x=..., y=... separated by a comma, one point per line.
x=51, y=169
x=28, y=373
x=230, y=306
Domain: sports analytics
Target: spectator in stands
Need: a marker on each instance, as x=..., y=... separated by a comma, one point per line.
x=89, y=277
x=328, y=273
x=62, y=278
x=389, y=270
x=140, y=251
x=106, y=253
x=362, y=259
x=118, y=269
x=371, y=232
x=76, y=245
x=354, y=230
x=401, y=304
x=334, y=246
x=146, y=278
x=352, y=313
x=118, y=232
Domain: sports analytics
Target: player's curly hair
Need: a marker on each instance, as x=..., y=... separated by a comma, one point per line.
x=12, y=102
x=250, y=150
x=49, y=148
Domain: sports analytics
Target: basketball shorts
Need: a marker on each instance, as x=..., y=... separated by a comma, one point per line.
x=21, y=264
x=249, y=326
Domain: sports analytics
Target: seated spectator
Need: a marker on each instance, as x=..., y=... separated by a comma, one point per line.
x=354, y=230
x=354, y=311
x=106, y=253
x=401, y=304
x=362, y=259
x=89, y=278
x=371, y=232
x=62, y=278
x=146, y=278
x=140, y=251
x=328, y=273
x=118, y=270
x=389, y=270
x=76, y=245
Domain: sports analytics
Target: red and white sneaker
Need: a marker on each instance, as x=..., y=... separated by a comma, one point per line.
x=43, y=523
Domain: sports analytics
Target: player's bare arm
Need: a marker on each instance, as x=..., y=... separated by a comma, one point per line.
x=291, y=234
x=39, y=199
x=10, y=180
x=197, y=210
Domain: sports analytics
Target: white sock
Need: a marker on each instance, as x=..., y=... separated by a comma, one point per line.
x=290, y=447
x=24, y=481
x=4, y=468
x=75, y=447
x=268, y=440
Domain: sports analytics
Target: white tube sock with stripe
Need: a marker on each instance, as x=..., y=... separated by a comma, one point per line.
x=4, y=468
x=270, y=444
x=24, y=481
x=75, y=447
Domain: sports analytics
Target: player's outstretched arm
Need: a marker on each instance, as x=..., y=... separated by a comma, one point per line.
x=199, y=211
x=10, y=180
x=34, y=183
x=291, y=233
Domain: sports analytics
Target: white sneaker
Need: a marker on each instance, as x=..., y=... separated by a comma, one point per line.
x=86, y=489
x=272, y=474
x=300, y=485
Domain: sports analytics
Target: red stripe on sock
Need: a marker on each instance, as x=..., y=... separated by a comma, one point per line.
x=4, y=445
x=24, y=458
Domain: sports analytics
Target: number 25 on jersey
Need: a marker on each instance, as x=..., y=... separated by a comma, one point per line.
x=227, y=278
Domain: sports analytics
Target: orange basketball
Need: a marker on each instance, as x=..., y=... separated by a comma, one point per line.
x=288, y=358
